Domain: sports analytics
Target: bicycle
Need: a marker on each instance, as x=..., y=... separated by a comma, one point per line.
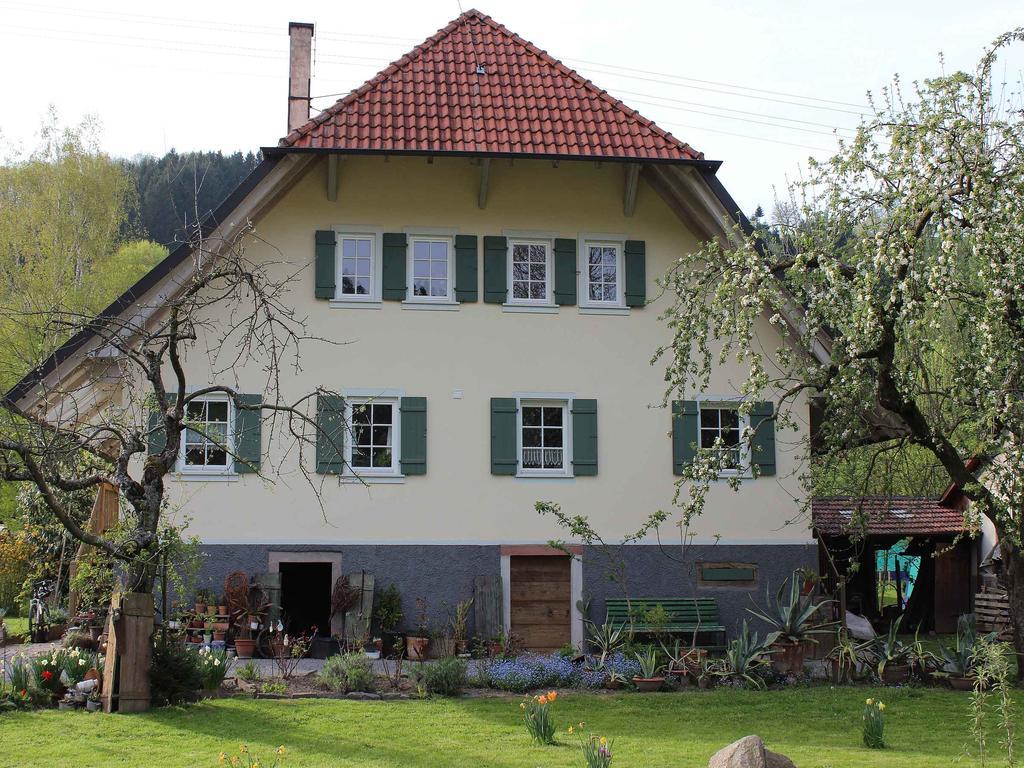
x=39, y=611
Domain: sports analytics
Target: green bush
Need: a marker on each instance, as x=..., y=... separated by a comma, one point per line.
x=347, y=672
x=445, y=677
x=174, y=673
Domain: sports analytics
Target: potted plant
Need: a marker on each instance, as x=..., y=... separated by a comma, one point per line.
x=792, y=620
x=958, y=662
x=496, y=646
x=843, y=658
x=459, y=623
x=93, y=703
x=889, y=655
x=649, y=679
x=222, y=606
x=245, y=645
x=202, y=600
x=705, y=673
x=417, y=641
x=614, y=681
x=389, y=614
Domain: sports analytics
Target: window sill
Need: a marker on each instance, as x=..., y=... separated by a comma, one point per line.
x=206, y=477
x=437, y=306
x=371, y=479
x=537, y=309
x=592, y=310
x=541, y=476
x=345, y=304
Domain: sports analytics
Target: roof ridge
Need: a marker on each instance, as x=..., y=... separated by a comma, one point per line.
x=589, y=85
x=411, y=55
x=588, y=88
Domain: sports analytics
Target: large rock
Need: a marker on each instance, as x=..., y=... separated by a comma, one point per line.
x=748, y=752
x=775, y=760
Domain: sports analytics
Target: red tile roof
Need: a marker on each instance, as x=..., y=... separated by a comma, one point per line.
x=887, y=516
x=476, y=87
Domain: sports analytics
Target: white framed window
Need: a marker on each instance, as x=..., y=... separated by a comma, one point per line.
x=431, y=269
x=601, y=274
x=357, y=267
x=545, y=438
x=372, y=447
x=208, y=439
x=722, y=421
x=529, y=272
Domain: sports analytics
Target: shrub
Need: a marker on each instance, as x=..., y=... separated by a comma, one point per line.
x=537, y=716
x=446, y=677
x=347, y=672
x=874, y=724
x=174, y=673
x=249, y=672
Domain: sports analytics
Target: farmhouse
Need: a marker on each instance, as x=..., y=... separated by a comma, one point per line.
x=480, y=231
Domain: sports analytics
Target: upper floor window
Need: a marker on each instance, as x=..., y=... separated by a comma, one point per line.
x=530, y=272
x=358, y=267
x=372, y=447
x=208, y=434
x=602, y=274
x=431, y=268
x=543, y=437
x=720, y=428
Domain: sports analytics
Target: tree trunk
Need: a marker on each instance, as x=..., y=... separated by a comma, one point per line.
x=1013, y=579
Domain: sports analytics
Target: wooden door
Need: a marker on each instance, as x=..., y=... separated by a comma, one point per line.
x=952, y=585
x=541, y=601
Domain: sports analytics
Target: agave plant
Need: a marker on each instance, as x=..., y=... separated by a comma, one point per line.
x=960, y=659
x=606, y=638
x=745, y=656
x=792, y=616
x=887, y=649
x=648, y=660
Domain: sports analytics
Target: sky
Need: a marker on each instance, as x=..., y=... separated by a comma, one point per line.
x=758, y=85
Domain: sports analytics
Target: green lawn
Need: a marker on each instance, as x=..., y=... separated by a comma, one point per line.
x=817, y=727
x=16, y=625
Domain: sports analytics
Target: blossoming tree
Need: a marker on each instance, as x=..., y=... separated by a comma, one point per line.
x=904, y=266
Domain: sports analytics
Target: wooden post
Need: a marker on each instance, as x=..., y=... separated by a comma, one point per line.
x=103, y=518
x=129, y=651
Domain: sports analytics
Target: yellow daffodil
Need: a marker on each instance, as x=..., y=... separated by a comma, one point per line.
x=570, y=730
x=869, y=702
x=223, y=758
x=280, y=750
x=522, y=705
x=881, y=707
x=242, y=748
x=581, y=725
x=602, y=741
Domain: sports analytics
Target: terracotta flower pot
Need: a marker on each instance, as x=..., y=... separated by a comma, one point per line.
x=200, y=607
x=961, y=683
x=244, y=648
x=648, y=684
x=416, y=648
x=895, y=674
x=612, y=685
x=222, y=610
x=218, y=635
x=788, y=658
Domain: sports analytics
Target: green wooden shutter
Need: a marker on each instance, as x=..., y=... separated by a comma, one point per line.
x=584, y=437
x=330, y=434
x=635, y=257
x=395, y=255
x=248, y=435
x=413, y=458
x=504, y=458
x=495, y=269
x=565, y=271
x=466, y=270
x=685, y=434
x=325, y=271
x=156, y=438
x=762, y=444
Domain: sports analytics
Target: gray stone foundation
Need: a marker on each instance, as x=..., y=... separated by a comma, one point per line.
x=443, y=574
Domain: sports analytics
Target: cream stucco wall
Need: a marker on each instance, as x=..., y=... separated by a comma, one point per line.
x=484, y=352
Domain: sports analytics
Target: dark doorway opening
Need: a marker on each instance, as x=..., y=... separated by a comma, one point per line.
x=306, y=597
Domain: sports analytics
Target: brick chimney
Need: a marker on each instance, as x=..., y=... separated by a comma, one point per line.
x=300, y=37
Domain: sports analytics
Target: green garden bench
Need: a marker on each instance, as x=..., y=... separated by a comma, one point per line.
x=685, y=615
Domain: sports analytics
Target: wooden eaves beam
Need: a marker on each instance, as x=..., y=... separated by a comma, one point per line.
x=629, y=192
